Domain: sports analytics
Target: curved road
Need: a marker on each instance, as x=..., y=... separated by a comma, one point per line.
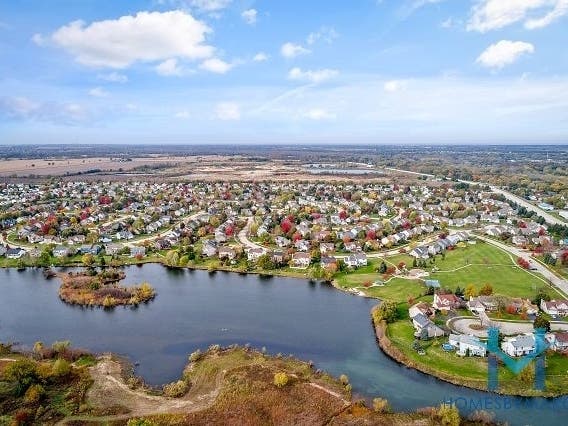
x=512, y=197
x=560, y=283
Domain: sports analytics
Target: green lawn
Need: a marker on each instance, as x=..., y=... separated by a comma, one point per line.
x=473, y=369
x=480, y=264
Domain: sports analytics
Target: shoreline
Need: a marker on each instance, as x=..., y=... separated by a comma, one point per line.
x=394, y=353
x=380, y=330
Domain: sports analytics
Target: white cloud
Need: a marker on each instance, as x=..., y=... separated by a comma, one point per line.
x=560, y=9
x=316, y=76
x=182, y=115
x=216, y=66
x=39, y=40
x=504, y=53
x=319, y=114
x=394, y=85
x=260, y=57
x=489, y=15
x=210, y=5
x=326, y=34
x=98, y=92
x=146, y=36
x=23, y=108
x=228, y=111
x=113, y=77
x=19, y=106
x=291, y=50
x=250, y=16
x=169, y=68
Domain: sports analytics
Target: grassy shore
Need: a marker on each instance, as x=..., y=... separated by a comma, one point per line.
x=396, y=340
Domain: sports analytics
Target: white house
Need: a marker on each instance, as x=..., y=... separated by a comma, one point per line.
x=519, y=345
x=301, y=260
x=425, y=328
x=467, y=345
x=555, y=307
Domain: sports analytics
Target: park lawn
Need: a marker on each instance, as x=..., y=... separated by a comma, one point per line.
x=398, y=290
x=480, y=264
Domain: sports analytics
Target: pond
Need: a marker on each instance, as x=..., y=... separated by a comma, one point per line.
x=195, y=309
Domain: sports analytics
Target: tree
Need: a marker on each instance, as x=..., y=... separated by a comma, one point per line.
x=265, y=262
x=88, y=259
x=387, y=311
x=470, y=291
x=541, y=295
x=280, y=380
x=382, y=267
x=541, y=322
x=486, y=290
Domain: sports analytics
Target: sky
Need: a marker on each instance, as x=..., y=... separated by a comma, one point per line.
x=273, y=71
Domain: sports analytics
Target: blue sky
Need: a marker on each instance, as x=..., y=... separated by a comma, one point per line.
x=245, y=71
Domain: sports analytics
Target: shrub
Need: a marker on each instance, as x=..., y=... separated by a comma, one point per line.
x=176, y=389
x=381, y=405
x=344, y=379
x=215, y=348
x=482, y=417
x=23, y=373
x=280, y=380
x=61, y=368
x=195, y=356
x=448, y=415
x=61, y=346
x=34, y=394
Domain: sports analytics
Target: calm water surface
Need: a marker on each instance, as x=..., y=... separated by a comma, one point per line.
x=195, y=309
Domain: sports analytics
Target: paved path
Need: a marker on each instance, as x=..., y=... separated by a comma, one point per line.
x=560, y=283
x=522, y=202
x=462, y=326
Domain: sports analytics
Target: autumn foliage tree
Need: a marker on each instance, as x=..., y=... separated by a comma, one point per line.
x=523, y=263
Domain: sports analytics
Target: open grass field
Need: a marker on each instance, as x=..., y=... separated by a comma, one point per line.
x=477, y=264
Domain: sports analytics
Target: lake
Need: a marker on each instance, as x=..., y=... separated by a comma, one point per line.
x=195, y=309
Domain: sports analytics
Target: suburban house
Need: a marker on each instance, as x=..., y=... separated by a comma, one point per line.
x=558, y=308
x=254, y=254
x=558, y=341
x=425, y=328
x=421, y=308
x=326, y=248
x=328, y=262
x=467, y=345
x=446, y=302
x=60, y=251
x=278, y=256
x=15, y=253
x=356, y=259
x=112, y=249
x=137, y=251
x=481, y=304
x=519, y=345
x=301, y=260
x=227, y=252
x=209, y=249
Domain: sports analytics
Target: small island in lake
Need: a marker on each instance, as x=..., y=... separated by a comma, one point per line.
x=91, y=288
